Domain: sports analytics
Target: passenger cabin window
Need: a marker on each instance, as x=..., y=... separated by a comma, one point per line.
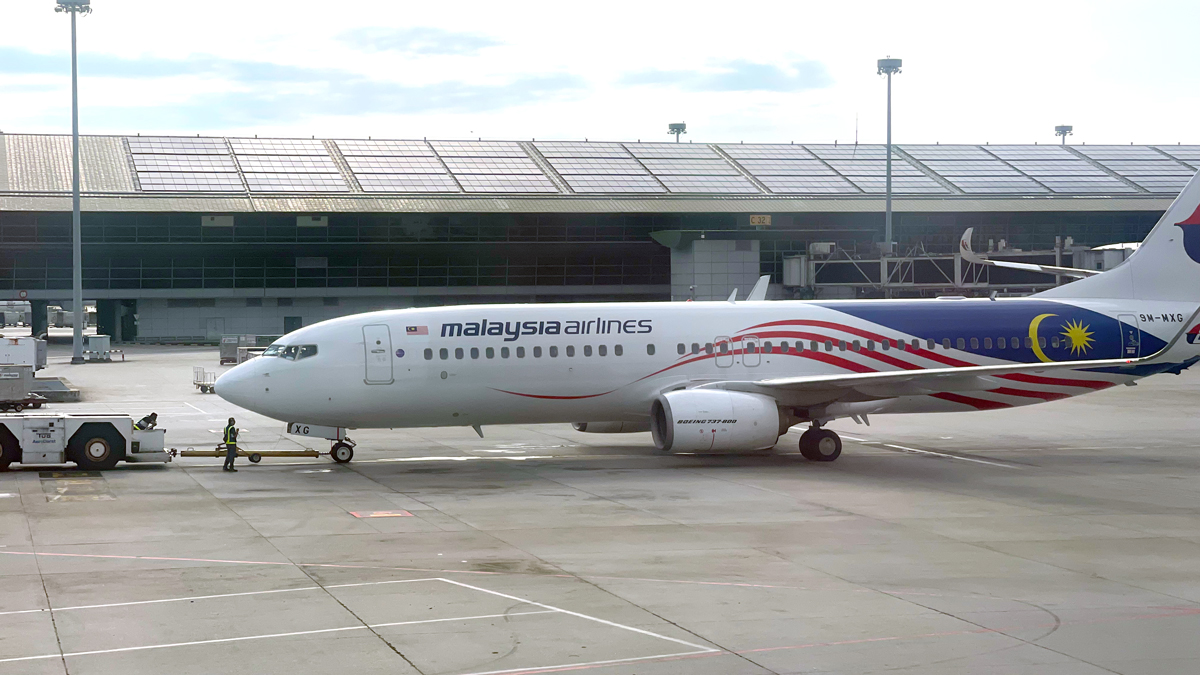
x=520, y=352
x=708, y=348
x=856, y=345
x=1054, y=342
x=602, y=350
x=617, y=350
x=428, y=354
x=870, y=345
x=273, y=350
x=504, y=352
x=650, y=349
x=444, y=353
x=695, y=348
x=458, y=352
x=682, y=349
x=587, y=350
x=842, y=345
x=1002, y=343
x=490, y=353
x=974, y=343
x=962, y=344
x=1042, y=342
x=813, y=345
x=783, y=347
x=570, y=350
x=724, y=347
x=554, y=352
x=474, y=352
x=987, y=343
x=887, y=344
x=945, y=343
x=1028, y=342
x=829, y=345
x=537, y=352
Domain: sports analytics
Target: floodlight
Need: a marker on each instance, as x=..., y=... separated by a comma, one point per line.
x=677, y=128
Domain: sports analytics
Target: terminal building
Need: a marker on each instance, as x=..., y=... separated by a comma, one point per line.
x=189, y=238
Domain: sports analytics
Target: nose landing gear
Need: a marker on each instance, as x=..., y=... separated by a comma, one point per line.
x=342, y=451
x=820, y=445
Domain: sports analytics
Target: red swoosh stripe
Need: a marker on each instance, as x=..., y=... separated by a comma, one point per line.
x=1044, y=395
x=1058, y=381
x=977, y=403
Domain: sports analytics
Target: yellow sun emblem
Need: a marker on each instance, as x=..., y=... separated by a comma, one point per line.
x=1079, y=339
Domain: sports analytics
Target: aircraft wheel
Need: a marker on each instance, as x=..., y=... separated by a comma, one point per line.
x=820, y=445
x=341, y=453
x=255, y=458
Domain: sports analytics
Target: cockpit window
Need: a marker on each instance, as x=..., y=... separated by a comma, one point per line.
x=306, y=351
x=273, y=350
x=289, y=353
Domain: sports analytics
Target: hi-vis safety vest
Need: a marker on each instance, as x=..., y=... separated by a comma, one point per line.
x=230, y=435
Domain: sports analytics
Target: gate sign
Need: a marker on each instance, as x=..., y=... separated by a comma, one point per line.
x=301, y=429
x=762, y=221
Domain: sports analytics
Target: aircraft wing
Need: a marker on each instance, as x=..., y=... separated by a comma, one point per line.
x=970, y=256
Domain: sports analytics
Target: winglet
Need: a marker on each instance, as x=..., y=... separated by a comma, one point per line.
x=759, y=292
x=964, y=247
x=732, y=297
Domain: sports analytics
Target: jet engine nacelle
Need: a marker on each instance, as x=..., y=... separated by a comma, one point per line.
x=611, y=427
x=714, y=420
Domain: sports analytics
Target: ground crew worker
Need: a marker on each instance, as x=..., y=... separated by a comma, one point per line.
x=148, y=422
x=231, y=434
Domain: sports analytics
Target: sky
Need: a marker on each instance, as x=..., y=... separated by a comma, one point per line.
x=614, y=70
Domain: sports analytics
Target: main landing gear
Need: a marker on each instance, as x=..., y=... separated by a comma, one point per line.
x=820, y=445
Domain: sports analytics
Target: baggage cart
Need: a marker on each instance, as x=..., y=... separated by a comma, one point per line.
x=204, y=380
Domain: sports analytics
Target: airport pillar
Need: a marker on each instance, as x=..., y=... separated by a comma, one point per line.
x=38, y=320
x=106, y=319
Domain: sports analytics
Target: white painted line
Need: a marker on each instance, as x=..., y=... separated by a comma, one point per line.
x=155, y=602
x=573, y=666
x=261, y=637
x=210, y=597
x=942, y=454
x=195, y=408
x=852, y=438
x=583, y=616
x=458, y=459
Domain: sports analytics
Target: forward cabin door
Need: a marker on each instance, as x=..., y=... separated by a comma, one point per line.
x=751, y=351
x=377, y=342
x=1131, y=336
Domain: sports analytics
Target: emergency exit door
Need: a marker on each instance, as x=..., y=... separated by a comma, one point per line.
x=1131, y=336
x=377, y=343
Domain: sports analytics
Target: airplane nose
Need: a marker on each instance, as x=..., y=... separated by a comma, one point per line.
x=234, y=385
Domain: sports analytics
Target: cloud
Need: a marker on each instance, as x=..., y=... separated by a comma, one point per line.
x=738, y=75
x=419, y=40
x=255, y=92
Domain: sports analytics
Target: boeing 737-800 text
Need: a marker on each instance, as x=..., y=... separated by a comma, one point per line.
x=730, y=376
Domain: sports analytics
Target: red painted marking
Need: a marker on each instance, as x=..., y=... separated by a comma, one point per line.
x=1193, y=219
x=977, y=403
x=878, y=356
x=1044, y=395
x=552, y=398
x=1058, y=381
x=925, y=353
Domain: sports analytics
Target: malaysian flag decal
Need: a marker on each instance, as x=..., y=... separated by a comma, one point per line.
x=416, y=330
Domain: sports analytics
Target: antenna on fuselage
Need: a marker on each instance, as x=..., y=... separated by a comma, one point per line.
x=733, y=297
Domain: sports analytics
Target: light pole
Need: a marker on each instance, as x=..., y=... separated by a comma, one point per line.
x=677, y=128
x=74, y=7
x=889, y=67
x=1063, y=130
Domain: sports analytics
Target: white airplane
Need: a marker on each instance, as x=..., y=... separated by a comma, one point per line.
x=734, y=376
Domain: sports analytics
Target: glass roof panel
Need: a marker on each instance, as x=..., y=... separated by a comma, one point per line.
x=1057, y=168
x=1167, y=184
x=380, y=182
x=1118, y=151
x=478, y=148
x=851, y=152
x=1085, y=184
x=183, y=163
x=277, y=146
x=384, y=148
x=717, y=184
x=286, y=164
x=671, y=150
x=902, y=184
x=395, y=165
x=1188, y=153
x=295, y=182
x=821, y=185
x=177, y=145
x=993, y=167
x=996, y=184
x=580, y=149
x=166, y=181
x=488, y=165
x=1164, y=167
x=765, y=151
x=961, y=152
x=596, y=165
x=762, y=167
x=699, y=167
x=476, y=183
x=613, y=184
x=1039, y=152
